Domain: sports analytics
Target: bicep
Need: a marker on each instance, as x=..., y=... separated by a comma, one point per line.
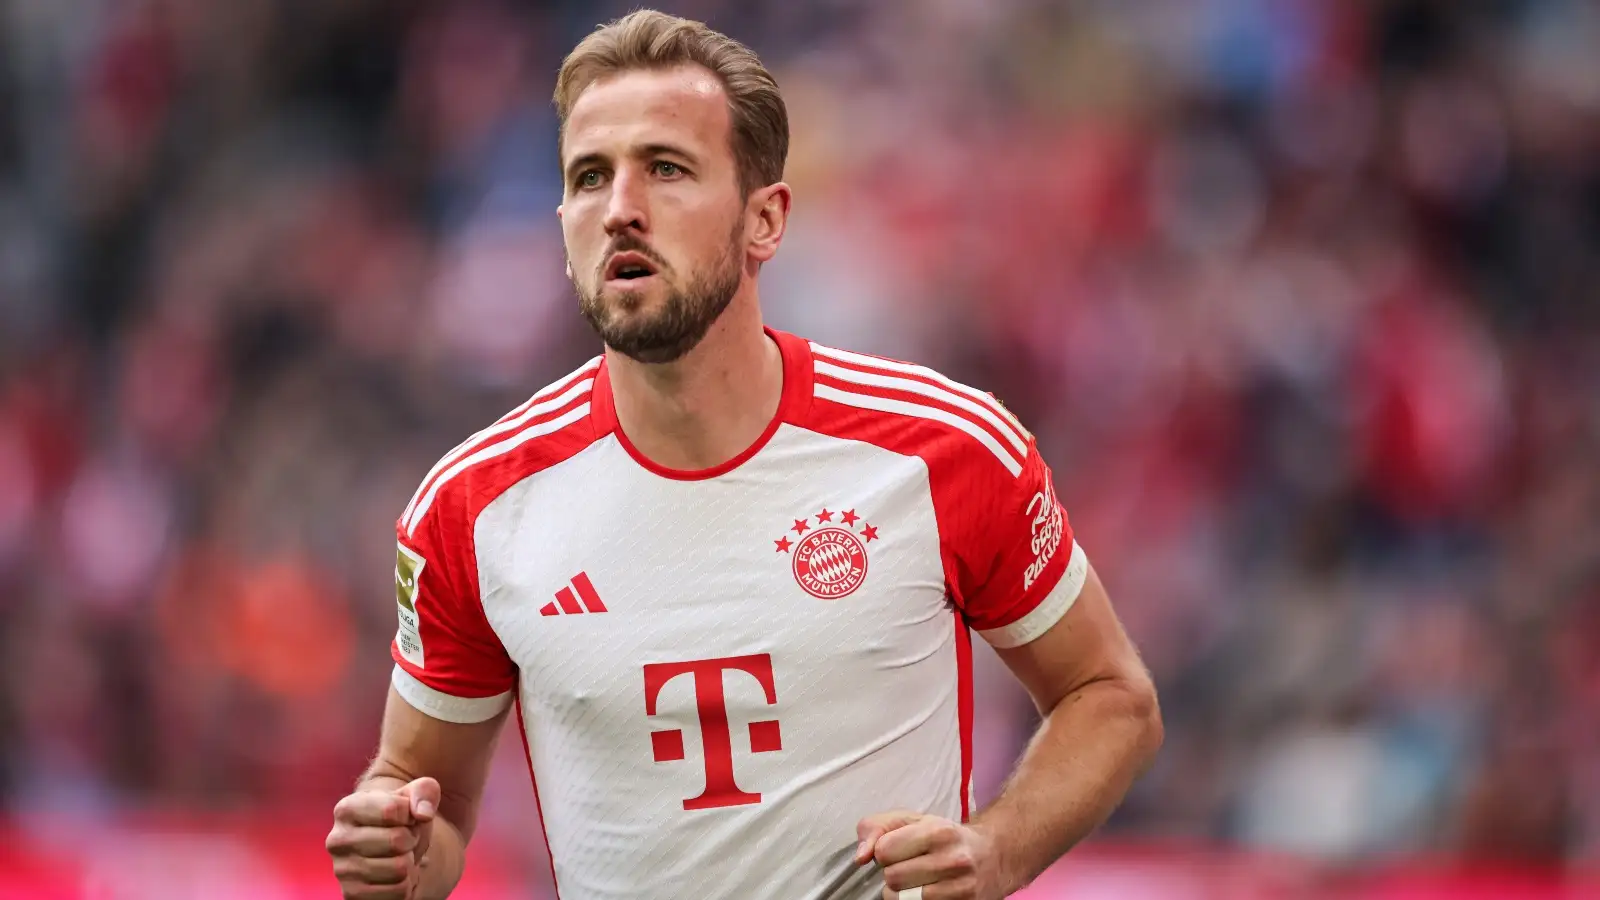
x=1085, y=645
x=414, y=744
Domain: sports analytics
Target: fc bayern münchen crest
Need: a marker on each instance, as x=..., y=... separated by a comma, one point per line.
x=829, y=560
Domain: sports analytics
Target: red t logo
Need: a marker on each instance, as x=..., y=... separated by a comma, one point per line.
x=715, y=738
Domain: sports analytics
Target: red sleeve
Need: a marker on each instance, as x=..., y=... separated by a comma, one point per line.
x=1015, y=569
x=450, y=662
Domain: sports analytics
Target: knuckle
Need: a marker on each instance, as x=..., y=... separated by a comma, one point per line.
x=350, y=805
x=356, y=809
x=347, y=841
x=348, y=871
x=390, y=871
x=383, y=873
x=961, y=859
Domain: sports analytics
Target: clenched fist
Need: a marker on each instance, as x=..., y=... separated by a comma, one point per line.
x=928, y=857
x=380, y=840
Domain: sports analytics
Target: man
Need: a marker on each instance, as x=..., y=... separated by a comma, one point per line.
x=726, y=577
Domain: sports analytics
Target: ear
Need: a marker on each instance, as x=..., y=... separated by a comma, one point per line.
x=560, y=207
x=771, y=207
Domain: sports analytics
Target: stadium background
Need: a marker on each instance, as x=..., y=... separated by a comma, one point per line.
x=1302, y=299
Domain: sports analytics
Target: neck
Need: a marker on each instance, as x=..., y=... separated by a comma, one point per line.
x=704, y=409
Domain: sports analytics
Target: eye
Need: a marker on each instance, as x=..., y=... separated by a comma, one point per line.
x=668, y=169
x=589, y=178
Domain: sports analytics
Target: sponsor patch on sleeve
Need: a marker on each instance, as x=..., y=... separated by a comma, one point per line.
x=1047, y=529
x=407, y=573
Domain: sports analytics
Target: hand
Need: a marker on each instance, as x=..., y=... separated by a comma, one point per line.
x=380, y=840
x=947, y=860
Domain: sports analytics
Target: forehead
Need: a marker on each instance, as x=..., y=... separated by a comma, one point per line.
x=685, y=106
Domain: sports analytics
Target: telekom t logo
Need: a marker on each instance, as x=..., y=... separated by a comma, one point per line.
x=715, y=737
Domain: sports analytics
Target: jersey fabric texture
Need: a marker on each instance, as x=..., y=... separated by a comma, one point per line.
x=718, y=673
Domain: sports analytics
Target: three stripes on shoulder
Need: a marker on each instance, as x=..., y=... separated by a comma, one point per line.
x=552, y=399
x=845, y=377
x=974, y=412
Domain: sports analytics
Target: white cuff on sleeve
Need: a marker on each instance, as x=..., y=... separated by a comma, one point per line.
x=1049, y=611
x=449, y=708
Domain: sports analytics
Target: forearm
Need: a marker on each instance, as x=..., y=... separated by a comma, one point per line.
x=445, y=861
x=1079, y=765
x=446, y=858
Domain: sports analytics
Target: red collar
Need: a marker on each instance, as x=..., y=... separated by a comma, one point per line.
x=792, y=405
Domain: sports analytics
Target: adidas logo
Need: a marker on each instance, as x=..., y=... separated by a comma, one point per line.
x=568, y=603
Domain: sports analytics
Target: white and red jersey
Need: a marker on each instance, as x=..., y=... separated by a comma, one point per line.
x=718, y=673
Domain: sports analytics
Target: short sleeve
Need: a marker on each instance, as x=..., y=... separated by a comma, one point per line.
x=449, y=663
x=1017, y=568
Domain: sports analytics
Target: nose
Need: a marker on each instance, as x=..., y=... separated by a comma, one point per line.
x=626, y=207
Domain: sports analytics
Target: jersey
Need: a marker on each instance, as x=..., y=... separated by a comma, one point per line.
x=717, y=673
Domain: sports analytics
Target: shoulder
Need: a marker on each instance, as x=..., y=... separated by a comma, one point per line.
x=915, y=410
x=551, y=426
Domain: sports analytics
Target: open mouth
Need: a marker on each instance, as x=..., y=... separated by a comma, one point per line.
x=629, y=266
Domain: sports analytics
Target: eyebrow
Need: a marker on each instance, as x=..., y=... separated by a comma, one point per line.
x=582, y=162
x=657, y=149
x=667, y=150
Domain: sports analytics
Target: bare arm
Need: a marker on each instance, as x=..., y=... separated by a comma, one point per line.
x=1101, y=730
x=415, y=748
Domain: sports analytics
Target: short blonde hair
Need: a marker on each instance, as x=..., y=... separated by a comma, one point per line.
x=647, y=40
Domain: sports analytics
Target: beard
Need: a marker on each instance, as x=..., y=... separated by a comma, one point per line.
x=687, y=312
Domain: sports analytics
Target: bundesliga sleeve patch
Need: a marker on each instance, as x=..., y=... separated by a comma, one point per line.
x=408, y=567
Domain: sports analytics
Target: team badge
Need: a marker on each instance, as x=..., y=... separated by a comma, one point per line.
x=829, y=558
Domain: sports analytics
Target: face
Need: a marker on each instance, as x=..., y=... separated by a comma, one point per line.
x=656, y=229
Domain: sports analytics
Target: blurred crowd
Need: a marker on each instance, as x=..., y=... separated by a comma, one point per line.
x=1301, y=297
